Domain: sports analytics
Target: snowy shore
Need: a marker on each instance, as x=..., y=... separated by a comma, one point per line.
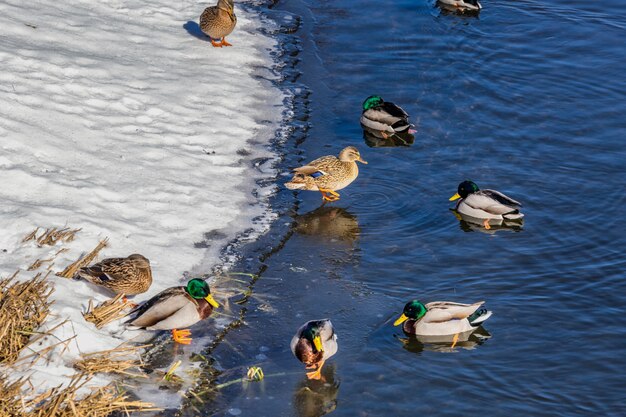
x=116, y=119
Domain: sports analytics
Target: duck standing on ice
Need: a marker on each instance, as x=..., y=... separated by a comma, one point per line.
x=218, y=21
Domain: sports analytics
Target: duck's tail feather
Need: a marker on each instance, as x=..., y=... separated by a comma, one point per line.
x=295, y=185
x=514, y=215
x=479, y=316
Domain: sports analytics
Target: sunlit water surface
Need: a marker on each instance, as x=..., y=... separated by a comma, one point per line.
x=527, y=98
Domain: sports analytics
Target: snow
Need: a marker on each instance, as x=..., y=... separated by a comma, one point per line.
x=115, y=117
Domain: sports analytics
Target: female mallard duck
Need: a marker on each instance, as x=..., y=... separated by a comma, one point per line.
x=314, y=342
x=131, y=275
x=485, y=204
x=174, y=308
x=384, y=117
x=217, y=22
x=328, y=174
x=441, y=318
x=473, y=5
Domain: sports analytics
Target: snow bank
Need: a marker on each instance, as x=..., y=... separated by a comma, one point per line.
x=116, y=119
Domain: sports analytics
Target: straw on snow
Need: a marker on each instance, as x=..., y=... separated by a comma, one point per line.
x=24, y=306
x=107, y=311
x=120, y=360
x=70, y=270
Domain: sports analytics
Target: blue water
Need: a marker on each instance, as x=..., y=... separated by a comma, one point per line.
x=527, y=98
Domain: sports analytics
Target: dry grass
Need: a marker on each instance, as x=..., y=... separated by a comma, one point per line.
x=51, y=236
x=107, y=311
x=16, y=400
x=23, y=308
x=10, y=397
x=70, y=271
x=121, y=360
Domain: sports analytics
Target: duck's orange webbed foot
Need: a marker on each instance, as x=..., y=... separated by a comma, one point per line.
x=224, y=43
x=216, y=44
x=317, y=374
x=329, y=195
x=454, y=340
x=486, y=224
x=182, y=336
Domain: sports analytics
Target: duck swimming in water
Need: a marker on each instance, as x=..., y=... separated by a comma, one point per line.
x=384, y=117
x=485, y=204
x=441, y=318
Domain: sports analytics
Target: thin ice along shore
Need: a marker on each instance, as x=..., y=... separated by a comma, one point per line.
x=118, y=118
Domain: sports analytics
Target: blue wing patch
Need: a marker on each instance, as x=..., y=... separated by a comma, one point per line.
x=317, y=174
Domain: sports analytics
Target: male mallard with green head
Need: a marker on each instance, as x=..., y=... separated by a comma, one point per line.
x=175, y=308
x=314, y=342
x=485, y=204
x=441, y=318
x=384, y=117
x=131, y=275
x=218, y=21
x=328, y=174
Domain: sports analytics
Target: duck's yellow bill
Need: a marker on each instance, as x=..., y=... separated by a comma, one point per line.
x=361, y=160
x=317, y=341
x=455, y=197
x=209, y=298
x=400, y=320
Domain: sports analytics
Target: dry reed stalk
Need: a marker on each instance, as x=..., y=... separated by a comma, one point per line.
x=120, y=360
x=37, y=264
x=23, y=308
x=70, y=271
x=107, y=311
x=51, y=236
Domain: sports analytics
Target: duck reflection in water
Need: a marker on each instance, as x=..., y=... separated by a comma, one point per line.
x=472, y=224
x=375, y=139
x=468, y=340
x=329, y=222
x=314, y=398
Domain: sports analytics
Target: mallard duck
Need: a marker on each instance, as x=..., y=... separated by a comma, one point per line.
x=175, y=308
x=131, y=275
x=314, y=342
x=485, y=204
x=441, y=318
x=328, y=174
x=384, y=117
x=217, y=22
x=463, y=4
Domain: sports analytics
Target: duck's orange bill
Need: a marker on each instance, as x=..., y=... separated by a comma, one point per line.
x=317, y=341
x=455, y=197
x=400, y=320
x=209, y=298
x=361, y=160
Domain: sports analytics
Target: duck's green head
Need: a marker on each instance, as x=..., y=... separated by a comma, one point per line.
x=371, y=102
x=198, y=288
x=465, y=188
x=312, y=333
x=413, y=310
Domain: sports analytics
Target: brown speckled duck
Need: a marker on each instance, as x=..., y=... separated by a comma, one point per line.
x=131, y=275
x=176, y=308
x=328, y=174
x=217, y=22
